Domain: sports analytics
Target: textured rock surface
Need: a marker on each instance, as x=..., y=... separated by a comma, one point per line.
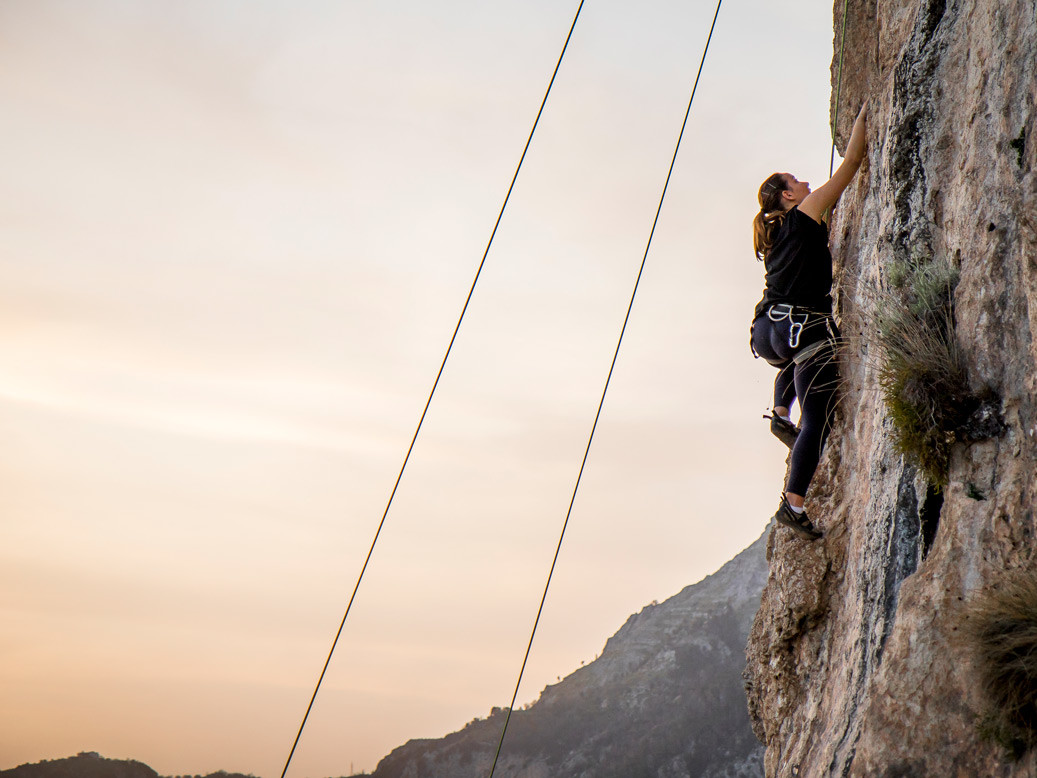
x=855, y=665
x=664, y=700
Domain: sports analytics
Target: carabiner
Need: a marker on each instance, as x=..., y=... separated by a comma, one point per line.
x=795, y=330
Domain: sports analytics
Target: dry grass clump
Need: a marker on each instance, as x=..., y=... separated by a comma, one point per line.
x=1001, y=630
x=922, y=371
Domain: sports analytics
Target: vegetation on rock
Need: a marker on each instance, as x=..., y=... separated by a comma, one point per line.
x=1001, y=629
x=922, y=373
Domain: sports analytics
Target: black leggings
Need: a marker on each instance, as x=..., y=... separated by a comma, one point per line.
x=814, y=382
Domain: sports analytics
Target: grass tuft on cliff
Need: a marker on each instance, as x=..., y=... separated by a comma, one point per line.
x=1001, y=630
x=922, y=371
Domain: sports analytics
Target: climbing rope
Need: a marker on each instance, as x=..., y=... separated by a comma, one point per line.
x=838, y=88
x=601, y=403
x=435, y=384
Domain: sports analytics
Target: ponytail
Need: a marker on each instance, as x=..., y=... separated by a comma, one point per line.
x=771, y=215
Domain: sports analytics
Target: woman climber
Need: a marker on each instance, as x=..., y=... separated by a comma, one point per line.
x=792, y=327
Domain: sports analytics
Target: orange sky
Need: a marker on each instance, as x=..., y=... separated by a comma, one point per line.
x=236, y=238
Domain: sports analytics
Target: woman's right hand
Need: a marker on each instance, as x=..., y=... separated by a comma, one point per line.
x=824, y=197
x=858, y=136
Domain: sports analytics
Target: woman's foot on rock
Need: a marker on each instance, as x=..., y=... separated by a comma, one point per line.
x=783, y=429
x=797, y=522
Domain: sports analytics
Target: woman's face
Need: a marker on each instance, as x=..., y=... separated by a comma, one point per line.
x=795, y=190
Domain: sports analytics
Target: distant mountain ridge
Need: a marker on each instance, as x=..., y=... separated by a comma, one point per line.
x=664, y=700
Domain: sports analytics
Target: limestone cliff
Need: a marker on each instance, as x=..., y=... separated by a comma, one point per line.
x=855, y=665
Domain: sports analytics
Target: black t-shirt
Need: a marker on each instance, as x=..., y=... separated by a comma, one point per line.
x=799, y=266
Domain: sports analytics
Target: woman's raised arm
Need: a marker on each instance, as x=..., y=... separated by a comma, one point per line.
x=824, y=197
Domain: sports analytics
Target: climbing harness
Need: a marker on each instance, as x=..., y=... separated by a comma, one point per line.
x=801, y=319
x=783, y=311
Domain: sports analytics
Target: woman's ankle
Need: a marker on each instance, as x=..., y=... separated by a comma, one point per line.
x=795, y=501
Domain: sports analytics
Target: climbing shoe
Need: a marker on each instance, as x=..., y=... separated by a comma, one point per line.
x=797, y=522
x=783, y=430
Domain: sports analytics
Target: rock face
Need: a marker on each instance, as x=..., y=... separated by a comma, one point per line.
x=856, y=667
x=664, y=700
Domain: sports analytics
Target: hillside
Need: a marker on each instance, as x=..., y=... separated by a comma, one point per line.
x=92, y=765
x=664, y=700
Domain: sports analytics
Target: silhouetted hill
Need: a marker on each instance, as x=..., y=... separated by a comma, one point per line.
x=92, y=765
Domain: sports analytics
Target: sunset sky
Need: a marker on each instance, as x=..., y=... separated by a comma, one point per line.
x=236, y=236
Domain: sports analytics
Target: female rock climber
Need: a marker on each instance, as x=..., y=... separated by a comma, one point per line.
x=793, y=328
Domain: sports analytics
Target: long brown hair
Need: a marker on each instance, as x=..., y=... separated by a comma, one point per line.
x=771, y=214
